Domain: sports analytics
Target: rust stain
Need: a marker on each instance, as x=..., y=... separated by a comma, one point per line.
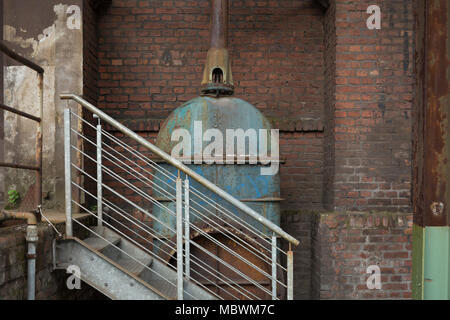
x=436, y=149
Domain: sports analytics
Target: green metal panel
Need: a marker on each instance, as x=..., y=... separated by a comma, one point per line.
x=436, y=263
x=417, y=257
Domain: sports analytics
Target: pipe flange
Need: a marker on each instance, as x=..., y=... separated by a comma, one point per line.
x=32, y=233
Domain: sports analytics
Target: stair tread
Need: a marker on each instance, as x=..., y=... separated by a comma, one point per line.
x=132, y=265
x=99, y=244
x=164, y=286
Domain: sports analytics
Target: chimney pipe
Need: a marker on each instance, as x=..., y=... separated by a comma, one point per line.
x=217, y=77
x=219, y=23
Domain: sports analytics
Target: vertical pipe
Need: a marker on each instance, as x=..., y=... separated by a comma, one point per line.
x=290, y=274
x=219, y=23
x=31, y=238
x=38, y=188
x=186, y=228
x=179, y=202
x=99, y=175
x=67, y=172
x=274, y=267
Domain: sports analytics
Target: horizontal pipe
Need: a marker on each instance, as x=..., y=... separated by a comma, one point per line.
x=19, y=58
x=206, y=183
x=20, y=113
x=13, y=215
x=19, y=166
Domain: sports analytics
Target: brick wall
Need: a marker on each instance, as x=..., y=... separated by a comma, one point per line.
x=345, y=244
x=50, y=285
x=340, y=93
x=370, y=104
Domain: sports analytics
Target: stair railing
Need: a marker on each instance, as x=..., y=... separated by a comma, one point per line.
x=191, y=213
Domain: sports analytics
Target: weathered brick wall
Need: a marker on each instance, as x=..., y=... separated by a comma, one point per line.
x=345, y=244
x=151, y=58
x=13, y=268
x=299, y=224
x=329, y=39
x=370, y=106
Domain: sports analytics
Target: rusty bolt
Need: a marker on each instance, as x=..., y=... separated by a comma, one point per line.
x=437, y=208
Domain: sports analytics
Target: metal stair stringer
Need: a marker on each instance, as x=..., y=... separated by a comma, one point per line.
x=102, y=273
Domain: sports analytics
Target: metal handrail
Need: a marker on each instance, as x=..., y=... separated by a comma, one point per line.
x=179, y=165
x=182, y=217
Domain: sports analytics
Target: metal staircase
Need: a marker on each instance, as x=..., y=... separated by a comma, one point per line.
x=209, y=245
x=120, y=270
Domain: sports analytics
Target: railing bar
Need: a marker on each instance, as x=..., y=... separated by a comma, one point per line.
x=123, y=198
x=67, y=172
x=150, y=252
x=90, y=230
x=274, y=267
x=152, y=182
x=229, y=214
x=126, y=237
x=19, y=166
x=142, y=157
x=231, y=268
x=126, y=183
x=137, y=172
x=232, y=216
x=127, y=218
x=179, y=235
x=153, y=254
x=260, y=255
x=232, y=252
x=20, y=113
x=99, y=174
x=15, y=56
x=173, y=248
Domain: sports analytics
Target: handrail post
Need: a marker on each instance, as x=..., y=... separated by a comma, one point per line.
x=39, y=133
x=186, y=228
x=67, y=172
x=179, y=218
x=290, y=274
x=274, y=266
x=99, y=174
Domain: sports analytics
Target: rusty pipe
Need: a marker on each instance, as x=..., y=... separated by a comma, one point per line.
x=217, y=78
x=219, y=23
x=13, y=215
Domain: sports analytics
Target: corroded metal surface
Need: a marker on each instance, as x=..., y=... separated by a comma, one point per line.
x=243, y=181
x=435, y=191
x=217, y=76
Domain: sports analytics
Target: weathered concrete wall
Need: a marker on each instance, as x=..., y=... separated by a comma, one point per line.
x=50, y=34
